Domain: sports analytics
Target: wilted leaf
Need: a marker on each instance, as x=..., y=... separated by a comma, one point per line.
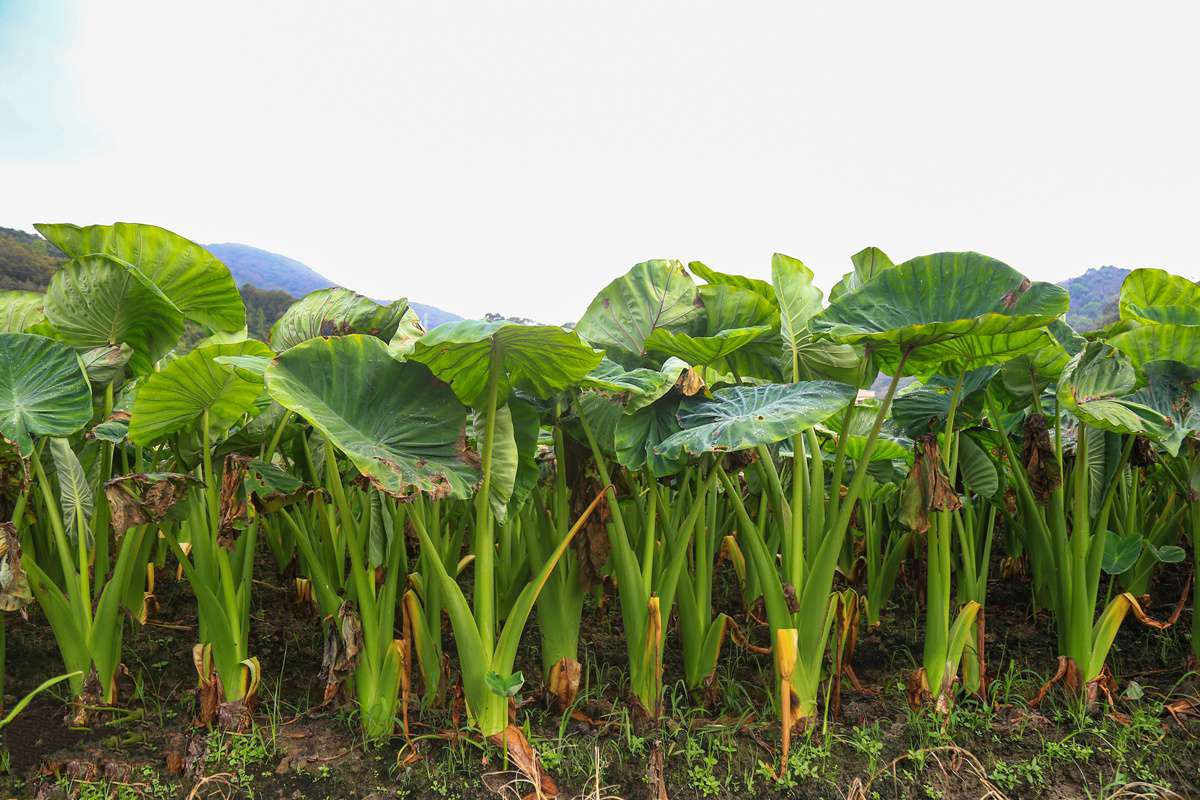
x=144, y=498
x=14, y=586
x=1039, y=459
x=343, y=642
x=927, y=489
x=269, y=487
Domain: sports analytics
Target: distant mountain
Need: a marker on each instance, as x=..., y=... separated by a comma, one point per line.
x=1094, y=296
x=272, y=271
x=267, y=270
x=27, y=261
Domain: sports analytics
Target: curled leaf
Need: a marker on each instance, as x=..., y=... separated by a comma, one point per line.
x=14, y=586
x=233, y=498
x=1037, y=454
x=343, y=642
x=146, y=497
x=927, y=489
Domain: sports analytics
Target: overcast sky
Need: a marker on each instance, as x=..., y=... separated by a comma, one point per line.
x=516, y=156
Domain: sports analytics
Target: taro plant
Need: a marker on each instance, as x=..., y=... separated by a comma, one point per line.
x=665, y=336
x=44, y=393
x=560, y=603
x=402, y=430
x=1165, y=347
x=183, y=411
x=947, y=314
x=484, y=362
x=1068, y=509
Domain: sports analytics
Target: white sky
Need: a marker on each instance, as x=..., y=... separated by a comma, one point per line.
x=516, y=156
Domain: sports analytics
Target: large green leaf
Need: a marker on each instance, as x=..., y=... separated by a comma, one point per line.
x=1154, y=295
x=949, y=311
x=20, y=311
x=601, y=412
x=106, y=363
x=636, y=438
x=199, y=285
x=176, y=398
x=1096, y=386
x=821, y=358
x=638, y=387
x=514, y=454
x=736, y=333
x=401, y=427
x=703, y=350
x=540, y=359
x=335, y=312
x=652, y=295
x=978, y=471
x=798, y=297
x=1167, y=342
x=1027, y=376
x=713, y=278
x=99, y=300
x=740, y=417
x=1171, y=390
x=43, y=390
x=505, y=457
x=869, y=263
x=732, y=312
x=804, y=356
x=527, y=425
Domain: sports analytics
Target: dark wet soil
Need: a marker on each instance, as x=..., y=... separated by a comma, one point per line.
x=722, y=743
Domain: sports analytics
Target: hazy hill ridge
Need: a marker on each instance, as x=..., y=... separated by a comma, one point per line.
x=1094, y=296
x=274, y=272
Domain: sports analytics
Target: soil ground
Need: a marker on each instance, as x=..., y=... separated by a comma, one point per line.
x=720, y=745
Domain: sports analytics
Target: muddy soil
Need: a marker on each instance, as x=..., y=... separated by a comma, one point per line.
x=721, y=743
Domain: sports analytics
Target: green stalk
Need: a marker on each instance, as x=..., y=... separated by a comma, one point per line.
x=937, y=605
x=1082, y=607
x=60, y=536
x=485, y=576
x=649, y=538
x=800, y=490
x=361, y=576
x=269, y=452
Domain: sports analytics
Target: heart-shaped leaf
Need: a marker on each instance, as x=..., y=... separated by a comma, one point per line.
x=177, y=397
x=195, y=281
x=740, y=417
x=400, y=426
x=1120, y=552
x=43, y=390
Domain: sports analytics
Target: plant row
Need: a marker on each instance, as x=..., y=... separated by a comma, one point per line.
x=486, y=473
